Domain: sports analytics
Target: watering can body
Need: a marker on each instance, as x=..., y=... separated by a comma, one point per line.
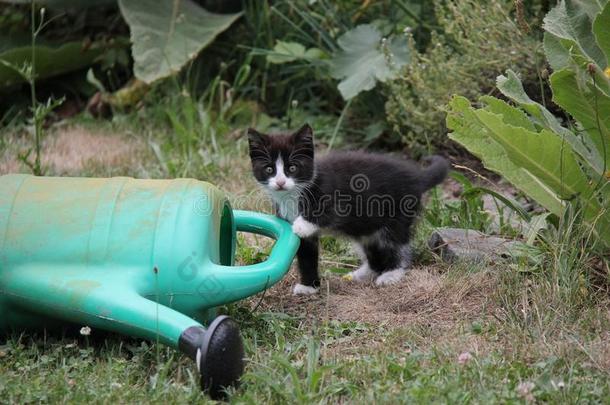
x=146, y=258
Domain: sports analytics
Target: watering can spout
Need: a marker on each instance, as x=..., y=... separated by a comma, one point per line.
x=218, y=352
x=232, y=283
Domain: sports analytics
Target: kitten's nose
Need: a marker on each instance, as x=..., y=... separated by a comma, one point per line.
x=280, y=182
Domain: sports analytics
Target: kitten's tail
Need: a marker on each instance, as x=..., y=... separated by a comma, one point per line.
x=435, y=172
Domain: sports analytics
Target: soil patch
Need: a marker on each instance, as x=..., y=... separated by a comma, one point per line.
x=425, y=296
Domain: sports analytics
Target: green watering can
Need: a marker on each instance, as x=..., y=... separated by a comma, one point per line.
x=146, y=258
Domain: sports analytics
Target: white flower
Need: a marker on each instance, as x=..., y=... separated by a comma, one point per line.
x=524, y=390
x=464, y=358
x=85, y=331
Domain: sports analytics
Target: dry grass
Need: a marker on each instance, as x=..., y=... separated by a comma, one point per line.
x=431, y=309
x=428, y=300
x=425, y=296
x=72, y=150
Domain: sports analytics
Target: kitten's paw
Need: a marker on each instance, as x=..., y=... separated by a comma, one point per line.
x=362, y=274
x=301, y=289
x=303, y=228
x=390, y=277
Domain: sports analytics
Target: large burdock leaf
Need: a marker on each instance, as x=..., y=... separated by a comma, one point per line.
x=588, y=105
x=468, y=131
x=51, y=60
x=167, y=34
x=511, y=87
x=538, y=163
x=601, y=29
x=545, y=156
x=572, y=20
x=557, y=51
x=542, y=154
x=365, y=59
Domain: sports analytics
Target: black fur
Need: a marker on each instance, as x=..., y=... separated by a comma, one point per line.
x=372, y=198
x=307, y=256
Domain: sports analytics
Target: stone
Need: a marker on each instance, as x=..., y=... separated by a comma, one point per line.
x=467, y=244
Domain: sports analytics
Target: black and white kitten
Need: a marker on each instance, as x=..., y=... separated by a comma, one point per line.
x=371, y=198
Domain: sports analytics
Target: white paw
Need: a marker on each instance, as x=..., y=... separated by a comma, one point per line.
x=301, y=289
x=362, y=274
x=390, y=277
x=303, y=228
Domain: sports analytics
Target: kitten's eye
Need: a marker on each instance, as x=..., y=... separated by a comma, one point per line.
x=268, y=169
x=292, y=168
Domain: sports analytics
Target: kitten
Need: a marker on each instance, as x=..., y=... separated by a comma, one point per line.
x=371, y=198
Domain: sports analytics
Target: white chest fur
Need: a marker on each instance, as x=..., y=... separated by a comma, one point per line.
x=287, y=204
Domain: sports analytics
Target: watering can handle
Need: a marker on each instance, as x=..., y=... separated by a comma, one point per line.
x=237, y=282
x=286, y=242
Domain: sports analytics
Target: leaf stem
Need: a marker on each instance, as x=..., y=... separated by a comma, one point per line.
x=339, y=122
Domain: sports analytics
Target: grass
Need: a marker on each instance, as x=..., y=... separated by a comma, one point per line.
x=291, y=360
x=461, y=333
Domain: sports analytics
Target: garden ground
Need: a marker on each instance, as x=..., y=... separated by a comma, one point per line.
x=448, y=333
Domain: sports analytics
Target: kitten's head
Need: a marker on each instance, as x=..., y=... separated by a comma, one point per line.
x=282, y=162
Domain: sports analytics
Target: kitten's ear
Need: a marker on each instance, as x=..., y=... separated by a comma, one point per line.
x=304, y=134
x=256, y=143
x=255, y=138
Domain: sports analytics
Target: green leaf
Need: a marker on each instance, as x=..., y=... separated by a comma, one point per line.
x=374, y=130
x=285, y=52
x=507, y=201
x=571, y=19
x=64, y=4
x=168, y=34
x=315, y=53
x=557, y=51
x=511, y=87
x=601, y=29
x=542, y=154
x=534, y=227
x=539, y=164
x=474, y=136
x=50, y=60
x=545, y=156
x=363, y=60
x=510, y=115
x=590, y=107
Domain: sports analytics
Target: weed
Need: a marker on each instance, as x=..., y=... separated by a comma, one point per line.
x=467, y=212
x=200, y=129
x=39, y=110
x=478, y=41
x=250, y=252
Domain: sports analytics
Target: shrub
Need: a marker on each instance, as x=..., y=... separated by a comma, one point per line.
x=476, y=42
